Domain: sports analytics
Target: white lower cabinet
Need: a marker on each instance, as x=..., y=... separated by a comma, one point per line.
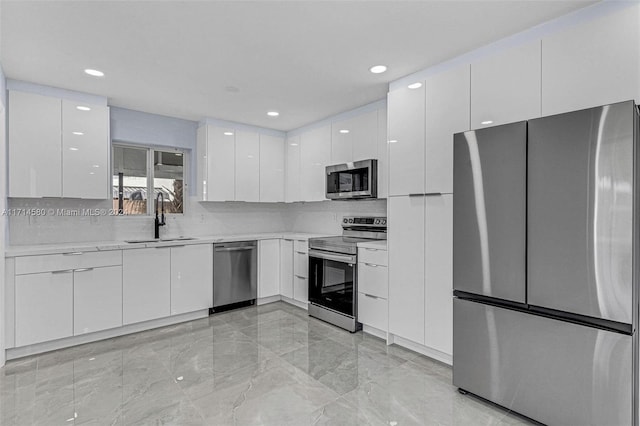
x=301, y=271
x=286, y=268
x=43, y=307
x=191, y=278
x=301, y=288
x=146, y=284
x=268, y=268
x=97, y=299
x=373, y=288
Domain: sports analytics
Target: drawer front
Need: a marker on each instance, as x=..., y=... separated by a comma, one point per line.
x=301, y=265
x=374, y=256
x=66, y=261
x=373, y=311
x=373, y=280
x=301, y=246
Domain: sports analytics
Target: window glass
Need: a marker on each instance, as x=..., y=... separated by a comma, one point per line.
x=130, y=180
x=168, y=175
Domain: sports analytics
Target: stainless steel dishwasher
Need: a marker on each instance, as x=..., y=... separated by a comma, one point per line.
x=235, y=273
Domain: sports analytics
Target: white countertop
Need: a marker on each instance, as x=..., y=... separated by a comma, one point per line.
x=39, y=249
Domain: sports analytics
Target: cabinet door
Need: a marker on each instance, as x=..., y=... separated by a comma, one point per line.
x=247, y=166
x=286, y=268
x=97, y=299
x=406, y=267
x=292, y=183
x=34, y=145
x=301, y=289
x=342, y=134
x=221, y=163
x=592, y=64
x=315, y=155
x=191, y=278
x=85, y=150
x=383, y=155
x=406, y=141
x=447, y=113
x=43, y=307
x=271, y=168
x=506, y=86
x=268, y=268
x=439, y=273
x=146, y=284
x=365, y=136
x=202, y=174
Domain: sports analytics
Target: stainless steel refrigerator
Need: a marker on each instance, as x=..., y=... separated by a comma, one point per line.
x=545, y=268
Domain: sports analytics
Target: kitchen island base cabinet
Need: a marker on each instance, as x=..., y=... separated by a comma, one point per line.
x=191, y=278
x=97, y=299
x=146, y=286
x=43, y=307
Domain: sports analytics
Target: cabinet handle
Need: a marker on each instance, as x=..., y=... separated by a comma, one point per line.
x=287, y=239
x=416, y=195
x=74, y=253
x=371, y=296
x=371, y=264
x=370, y=249
x=301, y=277
x=62, y=272
x=431, y=194
x=83, y=270
x=176, y=246
x=300, y=252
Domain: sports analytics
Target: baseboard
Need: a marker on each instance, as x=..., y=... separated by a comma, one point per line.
x=294, y=302
x=270, y=299
x=374, y=331
x=38, y=348
x=421, y=349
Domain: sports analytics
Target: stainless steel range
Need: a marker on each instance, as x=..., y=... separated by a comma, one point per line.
x=333, y=272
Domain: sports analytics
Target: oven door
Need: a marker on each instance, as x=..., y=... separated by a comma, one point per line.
x=332, y=280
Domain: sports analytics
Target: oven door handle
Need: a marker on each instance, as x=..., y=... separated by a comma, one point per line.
x=344, y=258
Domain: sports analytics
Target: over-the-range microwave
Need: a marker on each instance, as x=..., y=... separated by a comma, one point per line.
x=355, y=180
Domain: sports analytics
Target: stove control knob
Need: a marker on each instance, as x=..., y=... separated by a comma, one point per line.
x=345, y=220
x=351, y=220
x=376, y=222
x=384, y=221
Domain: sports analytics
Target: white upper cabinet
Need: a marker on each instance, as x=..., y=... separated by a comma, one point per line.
x=247, y=166
x=365, y=136
x=447, y=113
x=57, y=149
x=271, y=168
x=315, y=155
x=383, y=155
x=34, y=145
x=220, y=164
x=505, y=87
x=85, y=150
x=342, y=134
x=406, y=141
x=292, y=181
x=591, y=64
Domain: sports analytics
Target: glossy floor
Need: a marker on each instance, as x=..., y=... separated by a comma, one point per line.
x=267, y=365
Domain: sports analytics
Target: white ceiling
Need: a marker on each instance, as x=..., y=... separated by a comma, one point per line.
x=306, y=59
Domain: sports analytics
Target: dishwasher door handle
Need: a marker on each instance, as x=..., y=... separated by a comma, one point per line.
x=235, y=248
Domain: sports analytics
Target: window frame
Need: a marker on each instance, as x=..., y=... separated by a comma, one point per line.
x=150, y=150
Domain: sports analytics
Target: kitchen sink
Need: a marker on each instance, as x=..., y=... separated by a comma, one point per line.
x=161, y=240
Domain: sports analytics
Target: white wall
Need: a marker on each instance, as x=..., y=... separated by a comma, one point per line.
x=325, y=217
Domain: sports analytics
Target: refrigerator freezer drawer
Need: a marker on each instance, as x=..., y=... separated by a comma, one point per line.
x=555, y=372
x=489, y=211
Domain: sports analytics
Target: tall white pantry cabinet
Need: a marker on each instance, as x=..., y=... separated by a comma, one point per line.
x=585, y=64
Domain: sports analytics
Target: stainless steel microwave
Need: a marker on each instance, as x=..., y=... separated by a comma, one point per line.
x=352, y=180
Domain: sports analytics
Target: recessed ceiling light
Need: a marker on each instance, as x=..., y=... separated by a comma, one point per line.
x=94, y=73
x=344, y=131
x=228, y=133
x=377, y=69
x=273, y=113
x=487, y=122
x=83, y=108
x=78, y=133
x=392, y=141
x=91, y=173
x=293, y=144
x=73, y=149
x=415, y=85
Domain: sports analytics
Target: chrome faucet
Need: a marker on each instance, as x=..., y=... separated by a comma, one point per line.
x=159, y=220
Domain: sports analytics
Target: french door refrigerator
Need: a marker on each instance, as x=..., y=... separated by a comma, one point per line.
x=546, y=266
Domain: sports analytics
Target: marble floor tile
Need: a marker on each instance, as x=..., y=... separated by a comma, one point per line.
x=261, y=365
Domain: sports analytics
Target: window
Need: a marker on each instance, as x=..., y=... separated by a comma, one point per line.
x=140, y=171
